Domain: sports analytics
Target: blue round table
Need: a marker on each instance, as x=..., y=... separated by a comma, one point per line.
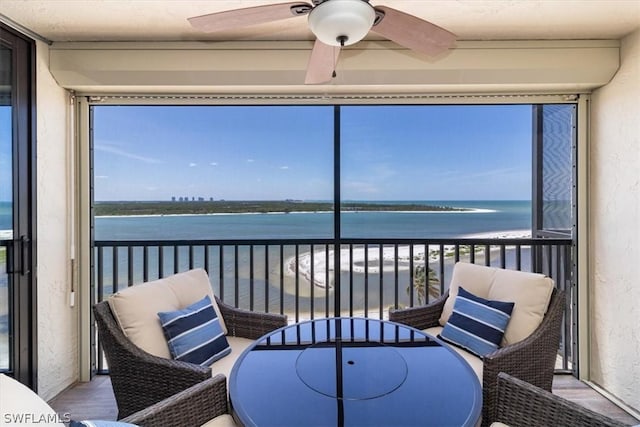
x=353, y=372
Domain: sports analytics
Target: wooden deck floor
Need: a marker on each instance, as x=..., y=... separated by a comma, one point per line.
x=94, y=400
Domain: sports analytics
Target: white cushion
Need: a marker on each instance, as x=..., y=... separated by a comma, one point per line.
x=474, y=278
x=136, y=308
x=225, y=420
x=474, y=361
x=17, y=400
x=224, y=365
x=530, y=292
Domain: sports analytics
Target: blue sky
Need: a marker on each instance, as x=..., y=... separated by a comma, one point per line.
x=286, y=152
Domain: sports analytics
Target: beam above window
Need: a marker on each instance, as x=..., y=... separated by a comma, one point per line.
x=372, y=67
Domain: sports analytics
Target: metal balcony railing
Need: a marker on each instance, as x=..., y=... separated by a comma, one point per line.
x=298, y=277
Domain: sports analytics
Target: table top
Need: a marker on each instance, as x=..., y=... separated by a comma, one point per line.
x=353, y=372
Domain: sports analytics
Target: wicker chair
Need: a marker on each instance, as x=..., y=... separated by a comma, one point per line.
x=140, y=379
x=532, y=359
x=194, y=406
x=520, y=404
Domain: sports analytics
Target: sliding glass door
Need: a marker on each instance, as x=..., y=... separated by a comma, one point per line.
x=17, y=207
x=6, y=202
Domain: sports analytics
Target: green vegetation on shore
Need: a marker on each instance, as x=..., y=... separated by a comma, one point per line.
x=261, y=206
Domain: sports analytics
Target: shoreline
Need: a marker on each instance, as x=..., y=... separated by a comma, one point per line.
x=468, y=211
x=354, y=259
x=253, y=207
x=507, y=234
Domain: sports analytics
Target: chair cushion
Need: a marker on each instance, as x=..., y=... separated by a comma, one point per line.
x=194, y=334
x=531, y=293
x=225, y=420
x=476, y=279
x=474, y=361
x=136, y=308
x=477, y=324
x=224, y=365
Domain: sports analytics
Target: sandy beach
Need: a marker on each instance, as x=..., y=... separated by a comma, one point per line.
x=468, y=211
x=361, y=260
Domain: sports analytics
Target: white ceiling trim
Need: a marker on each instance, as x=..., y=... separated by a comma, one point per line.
x=240, y=99
x=370, y=68
x=22, y=29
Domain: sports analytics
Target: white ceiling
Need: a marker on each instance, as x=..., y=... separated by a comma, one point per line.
x=160, y=20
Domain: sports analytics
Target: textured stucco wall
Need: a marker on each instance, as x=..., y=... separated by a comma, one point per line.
x=57, y=325
x=614, y=222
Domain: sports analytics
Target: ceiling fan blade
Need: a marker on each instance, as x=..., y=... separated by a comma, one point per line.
x=238, y=18
x=413, y=32
x=322, y=63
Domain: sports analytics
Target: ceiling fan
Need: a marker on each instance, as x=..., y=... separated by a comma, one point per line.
x=336, y=23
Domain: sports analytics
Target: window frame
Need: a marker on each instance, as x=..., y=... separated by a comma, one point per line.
x=579, y=154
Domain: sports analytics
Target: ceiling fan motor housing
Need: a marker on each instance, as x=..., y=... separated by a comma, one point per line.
x=341, y=22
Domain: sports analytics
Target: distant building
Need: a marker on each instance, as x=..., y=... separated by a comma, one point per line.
x=173, y=198
x=211, y=199
x=201, y=199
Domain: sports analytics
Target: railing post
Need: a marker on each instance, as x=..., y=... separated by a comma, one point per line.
x=550, y=256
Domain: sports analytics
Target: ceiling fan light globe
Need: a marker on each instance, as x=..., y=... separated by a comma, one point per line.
x=336, y=20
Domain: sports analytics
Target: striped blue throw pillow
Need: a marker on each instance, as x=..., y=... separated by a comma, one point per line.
x=99, y=423
x=477, y=324
x=194, y=333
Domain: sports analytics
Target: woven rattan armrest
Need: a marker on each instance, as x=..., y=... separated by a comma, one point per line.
x=532, y=359
x=422, y=317
x=140, y=379
x=191, y=407
x=521, y=404
x=249, y=324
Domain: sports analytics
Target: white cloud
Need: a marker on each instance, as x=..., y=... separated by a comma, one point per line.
x=284, y=167
x=101, y=177
x=469, y=176
x=214, y=163
x=193, y=165
x=496, y=172
x=112, y=149
x=250, y=160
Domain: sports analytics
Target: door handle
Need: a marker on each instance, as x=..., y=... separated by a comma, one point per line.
x=21, y=248
x=25, y=245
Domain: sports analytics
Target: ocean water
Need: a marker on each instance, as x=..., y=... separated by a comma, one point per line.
x=491, y=216
x=5, y=215
x=255, y=284
x=487, y=217
x=261, y=285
